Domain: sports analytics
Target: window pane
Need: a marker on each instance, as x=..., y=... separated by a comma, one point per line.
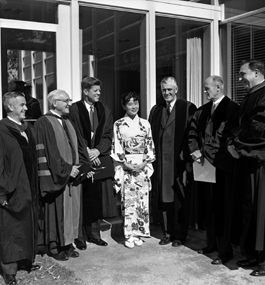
x=182, y=51
x=113, y=43
x=27, y=10
x=16, y=65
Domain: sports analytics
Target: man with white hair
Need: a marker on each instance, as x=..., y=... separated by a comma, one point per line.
x=58, y=163
x=210, y=128
x=170, y=188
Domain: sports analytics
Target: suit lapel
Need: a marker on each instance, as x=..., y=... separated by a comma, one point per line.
x=84, y=119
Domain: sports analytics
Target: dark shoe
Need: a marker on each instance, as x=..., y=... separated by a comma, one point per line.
x=165, y=241
x=29, y=268
x=81, y=245
x=207, y=249
x=99, y=241
x=10, y=279
x=218, y=261
x=62, y=256
x=247, y=263
x=71, y=252
x=260, y=271
x=176, y=243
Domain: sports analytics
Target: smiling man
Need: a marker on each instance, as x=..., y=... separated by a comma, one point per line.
x=57, y=160
x=171, y=191
x=94, y=126
x=18, y=189
x=249, y=148
x=210, y=127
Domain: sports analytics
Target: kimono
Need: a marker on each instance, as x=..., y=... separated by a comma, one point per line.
x=133, y=143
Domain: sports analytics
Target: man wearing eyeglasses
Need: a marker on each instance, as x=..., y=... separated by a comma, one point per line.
x=93, y=123
x=58, y=163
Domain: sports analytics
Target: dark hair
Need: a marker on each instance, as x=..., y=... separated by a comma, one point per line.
x=254, y=64
x=88, y=82
x=126, y=97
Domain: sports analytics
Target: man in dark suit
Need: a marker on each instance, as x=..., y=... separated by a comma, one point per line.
x=210, y=127
x=94, y=127
x=169, y=122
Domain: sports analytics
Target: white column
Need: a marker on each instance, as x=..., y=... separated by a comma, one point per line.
x=76, y=52
x=63, y=49
x=151, y=61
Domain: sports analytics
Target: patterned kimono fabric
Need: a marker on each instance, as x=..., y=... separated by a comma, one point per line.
x=132, y=143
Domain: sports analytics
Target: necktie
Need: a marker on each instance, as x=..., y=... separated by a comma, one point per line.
x=168, y=110
x=91, y=117
x=213, y=108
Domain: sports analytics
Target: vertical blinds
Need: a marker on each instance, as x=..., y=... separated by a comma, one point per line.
x=247, y=42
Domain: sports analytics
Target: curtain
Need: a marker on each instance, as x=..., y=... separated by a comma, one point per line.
x=194, y=71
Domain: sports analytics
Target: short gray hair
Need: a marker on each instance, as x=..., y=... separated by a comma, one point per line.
x=8, y=97
x=165, y=80
x=53, y=95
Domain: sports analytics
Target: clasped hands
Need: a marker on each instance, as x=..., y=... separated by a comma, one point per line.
x=198, y=157
x=3, y=201
x=136, y=168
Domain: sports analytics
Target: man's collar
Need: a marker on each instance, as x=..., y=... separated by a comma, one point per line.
x=52, y=111
x=219, y=100
x=11, y=119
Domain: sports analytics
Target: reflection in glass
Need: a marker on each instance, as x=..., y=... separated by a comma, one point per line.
x=183, y=51
x=28, y=10
x=113, y=44
x=23, y=58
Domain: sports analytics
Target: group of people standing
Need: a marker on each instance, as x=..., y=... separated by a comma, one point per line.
x=59, y=179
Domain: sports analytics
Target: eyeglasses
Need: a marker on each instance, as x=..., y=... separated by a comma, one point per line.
x=67, y=101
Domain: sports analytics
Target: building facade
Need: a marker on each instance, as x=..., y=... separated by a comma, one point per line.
x=128, y=44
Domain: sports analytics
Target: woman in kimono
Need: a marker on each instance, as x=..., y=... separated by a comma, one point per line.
x=133, y=154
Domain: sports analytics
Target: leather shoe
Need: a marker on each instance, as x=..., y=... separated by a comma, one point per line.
x=81, y=245
x=29, y=268
x=71, y=252
x=10, y=279
x=62, y=256
x=176, y=243
x=247, y=263
x=260, y=271
x=99, y=241
x=207, y=249
x=165, y=241
x=218, y=261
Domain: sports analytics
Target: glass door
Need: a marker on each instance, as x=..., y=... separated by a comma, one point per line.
x=28, y=63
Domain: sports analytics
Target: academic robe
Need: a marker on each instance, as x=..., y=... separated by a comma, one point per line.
x=208, y=133
x=171, y=153
x=249, y=141
x=19, y=182
x=57, y=153
x=103, y=203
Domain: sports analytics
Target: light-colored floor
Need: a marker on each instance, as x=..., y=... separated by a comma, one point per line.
x=155, y=264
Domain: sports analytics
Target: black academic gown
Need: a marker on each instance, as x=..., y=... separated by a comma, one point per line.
x=212, y=202
x=249, y=140
x=99, y=200
x=19, y=182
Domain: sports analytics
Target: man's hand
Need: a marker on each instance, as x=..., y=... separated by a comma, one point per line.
x=3, y=201
x=74, y=171
x=96, y=162
x=93, y=154
x=233, y=152
x=197, y=156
